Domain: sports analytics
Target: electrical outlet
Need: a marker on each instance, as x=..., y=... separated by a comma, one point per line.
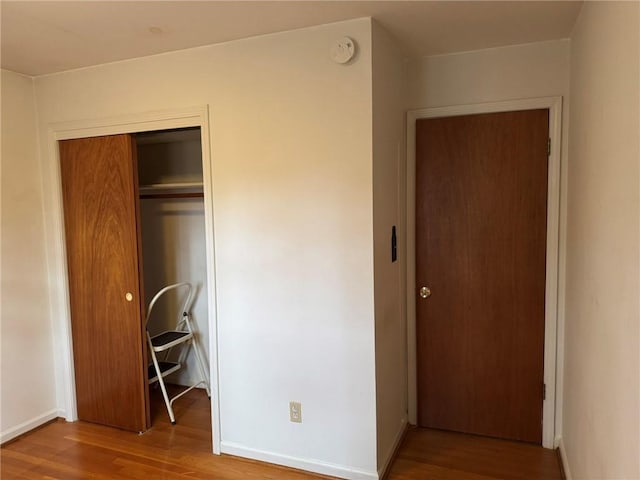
x=295, y=412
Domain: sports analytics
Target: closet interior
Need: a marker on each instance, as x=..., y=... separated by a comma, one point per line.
x=172, y=226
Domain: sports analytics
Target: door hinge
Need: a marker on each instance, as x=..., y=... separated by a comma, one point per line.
x=549, y=147
x=544, y=391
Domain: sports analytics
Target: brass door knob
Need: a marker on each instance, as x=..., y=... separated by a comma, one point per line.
x=128, y=296
x=425, y=292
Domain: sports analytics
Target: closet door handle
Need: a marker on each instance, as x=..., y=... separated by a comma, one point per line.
x=128, y=296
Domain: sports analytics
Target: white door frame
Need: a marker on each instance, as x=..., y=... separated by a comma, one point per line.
x=554, y=104
x=144, y=122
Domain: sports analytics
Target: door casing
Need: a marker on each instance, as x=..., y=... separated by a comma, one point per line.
x=554, y=104
x=143, y=122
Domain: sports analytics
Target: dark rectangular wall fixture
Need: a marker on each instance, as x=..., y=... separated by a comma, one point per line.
x=394, y=245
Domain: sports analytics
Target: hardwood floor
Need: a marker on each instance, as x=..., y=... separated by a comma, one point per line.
x=83, y=450
x=439, y=455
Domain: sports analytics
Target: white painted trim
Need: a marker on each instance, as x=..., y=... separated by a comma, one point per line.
x=134, y=123
x=382, y=471
x=25, y=427
x=565, y=461
x=143, y=122
x=307, y=464
x=556, y=441
x=554, y=104
x=214, y=369
x=58, y=275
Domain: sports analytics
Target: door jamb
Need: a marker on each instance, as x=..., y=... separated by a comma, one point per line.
x=144, y=122
x=554, y=104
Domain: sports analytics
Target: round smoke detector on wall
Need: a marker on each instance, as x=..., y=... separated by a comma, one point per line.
x=343, y=50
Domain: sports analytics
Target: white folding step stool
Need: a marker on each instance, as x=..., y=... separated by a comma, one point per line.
x=182, y=337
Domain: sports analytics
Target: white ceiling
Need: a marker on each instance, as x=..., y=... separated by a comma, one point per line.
x=53, y=36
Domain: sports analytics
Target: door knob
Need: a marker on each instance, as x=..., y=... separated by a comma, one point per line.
x=425, y=292
x=128, y=296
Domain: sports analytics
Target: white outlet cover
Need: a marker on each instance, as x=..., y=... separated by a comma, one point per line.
x=343, y=50
x=295, y=412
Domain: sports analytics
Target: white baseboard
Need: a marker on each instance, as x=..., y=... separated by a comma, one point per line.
x=309, y=465
x=565, y=461
x=24, y=427
x=396, y=444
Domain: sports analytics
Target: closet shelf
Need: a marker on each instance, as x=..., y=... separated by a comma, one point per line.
x=171, y=190
x=164, y=187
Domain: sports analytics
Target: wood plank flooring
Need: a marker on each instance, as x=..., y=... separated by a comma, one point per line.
x=69, y=451
x=438, y=455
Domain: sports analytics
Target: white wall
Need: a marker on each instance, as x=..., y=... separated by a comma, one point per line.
x=601, y=431
x=27, y=392
x=291, y=149
x=493, y=75
x=173, y=243
x=389, y=103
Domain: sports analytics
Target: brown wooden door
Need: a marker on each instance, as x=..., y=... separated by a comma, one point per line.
x=481, y=205
x=99, y=186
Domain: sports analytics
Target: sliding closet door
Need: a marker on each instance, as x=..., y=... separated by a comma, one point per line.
x=99, y=185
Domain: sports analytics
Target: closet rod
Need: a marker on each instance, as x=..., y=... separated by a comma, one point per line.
x=172, y=195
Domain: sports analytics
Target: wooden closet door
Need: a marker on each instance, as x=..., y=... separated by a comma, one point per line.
x=99, y=186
